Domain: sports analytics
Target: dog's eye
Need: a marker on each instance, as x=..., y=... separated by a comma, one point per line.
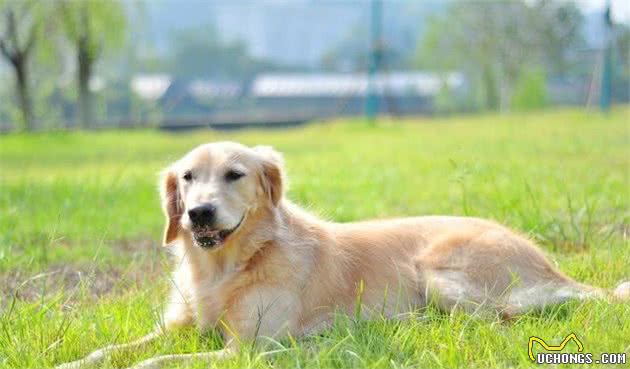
x=233, y=175
x=187, y=176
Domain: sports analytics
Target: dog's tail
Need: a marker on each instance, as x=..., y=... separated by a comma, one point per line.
x=622, y=292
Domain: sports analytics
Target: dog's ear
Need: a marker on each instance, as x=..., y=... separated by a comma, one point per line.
x=172, y=205
x=272, y=178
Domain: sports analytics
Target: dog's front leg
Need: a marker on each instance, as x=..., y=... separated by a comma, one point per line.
x=100, y=355
x=160, y=361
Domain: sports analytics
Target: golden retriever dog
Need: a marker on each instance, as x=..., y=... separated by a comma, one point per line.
x=251, y=263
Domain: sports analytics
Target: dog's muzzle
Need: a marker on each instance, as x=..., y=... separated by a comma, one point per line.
x=208, y=237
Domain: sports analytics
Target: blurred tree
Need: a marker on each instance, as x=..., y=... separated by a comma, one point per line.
x=530, y=91
x=560, y=33
x=492, y=42
x=198, y=53
x=399, y=33
x=351, y=53
x=90, y=26
x=22, y=21
x=622, y=45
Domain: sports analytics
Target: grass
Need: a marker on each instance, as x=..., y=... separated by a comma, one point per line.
x=80, y=264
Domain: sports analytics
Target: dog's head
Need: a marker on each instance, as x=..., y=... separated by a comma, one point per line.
x=212, y=191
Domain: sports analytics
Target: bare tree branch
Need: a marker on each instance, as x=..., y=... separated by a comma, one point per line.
x=12, y=31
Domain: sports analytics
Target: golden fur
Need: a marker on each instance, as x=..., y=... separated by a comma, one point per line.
x=285, y=271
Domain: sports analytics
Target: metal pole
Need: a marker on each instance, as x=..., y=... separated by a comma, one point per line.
x=376, y=46
x=605, y=96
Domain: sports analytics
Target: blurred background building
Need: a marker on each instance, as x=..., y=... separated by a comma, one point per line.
x=180, y=63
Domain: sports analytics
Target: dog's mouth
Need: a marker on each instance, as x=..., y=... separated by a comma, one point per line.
x=208, y=237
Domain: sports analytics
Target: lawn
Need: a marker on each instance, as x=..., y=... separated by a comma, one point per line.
x=81, y=266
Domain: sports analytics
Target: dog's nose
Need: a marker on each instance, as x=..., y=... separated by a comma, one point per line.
x=203, y=215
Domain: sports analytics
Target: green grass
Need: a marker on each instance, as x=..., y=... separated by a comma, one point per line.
x=81, y=267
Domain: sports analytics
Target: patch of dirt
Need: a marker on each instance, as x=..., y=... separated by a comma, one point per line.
x=81, y=281
x=134, y=246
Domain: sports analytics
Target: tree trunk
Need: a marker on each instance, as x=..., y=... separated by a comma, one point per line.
x=84, y=72
x=24, y=97
x=18, y=56
x=490, y=88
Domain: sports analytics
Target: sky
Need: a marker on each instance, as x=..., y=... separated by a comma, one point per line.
x=620, y=8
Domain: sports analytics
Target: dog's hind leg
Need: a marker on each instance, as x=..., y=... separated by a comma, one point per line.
x=538, y=296
x=526, y=298
x=452, y=290
x=102, y=354
x=495, y=270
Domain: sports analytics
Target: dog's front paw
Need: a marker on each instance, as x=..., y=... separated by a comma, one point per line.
x=92, y=359
x=622, y=292
x=153, y=363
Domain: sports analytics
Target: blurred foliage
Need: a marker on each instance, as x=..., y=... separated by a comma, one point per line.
x=351, y=54
x=71, y=63
x=90, y=26
x=401, y=25
x=622, y=45
x=198, y=53
x=448, y=101
x=530, y=91
x=493, y=42
x=36, y=38
x=21, y=28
